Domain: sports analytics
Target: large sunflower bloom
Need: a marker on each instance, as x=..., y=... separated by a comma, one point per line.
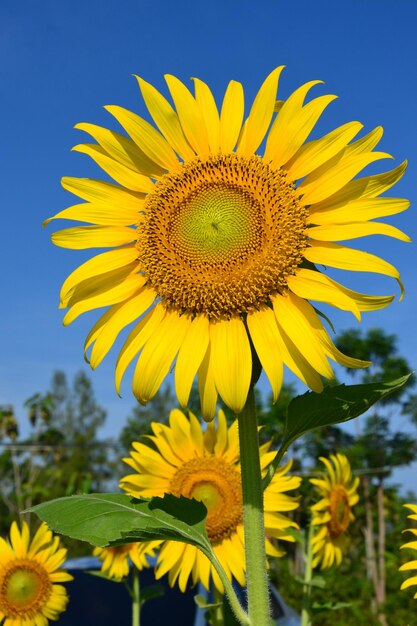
x=115, y=559
x=29, y=571
x=214, y=246
x=333, y=513
x=411, y=565
x=205, y=465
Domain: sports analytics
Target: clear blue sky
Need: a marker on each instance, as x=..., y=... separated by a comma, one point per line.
x=61, y=61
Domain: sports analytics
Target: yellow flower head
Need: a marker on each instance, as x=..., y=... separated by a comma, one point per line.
x=115, y=559
x=333, y=513
x=412, y=545
x=186, y=461
x=213, y=245
x=29, y=571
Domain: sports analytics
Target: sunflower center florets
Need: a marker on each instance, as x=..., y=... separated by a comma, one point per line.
x=221, y=235
x=216, y=483
x=339, y=509
x=24, y=587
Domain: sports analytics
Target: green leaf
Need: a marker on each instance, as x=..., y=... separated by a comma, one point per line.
x=99, y=574
x=104, y=519
x=152, y=592
x=334, y=405
x=330, y=606
x=203, y=603
x=316, y=581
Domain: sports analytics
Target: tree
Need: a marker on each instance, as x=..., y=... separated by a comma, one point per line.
x=61, y=455
x=138, y=423
x=378, y=449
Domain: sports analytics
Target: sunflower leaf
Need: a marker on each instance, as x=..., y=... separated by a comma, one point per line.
x=334, y=405
x=104, y=519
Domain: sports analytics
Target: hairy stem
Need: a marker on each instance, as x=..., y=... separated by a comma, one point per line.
x=253, y=515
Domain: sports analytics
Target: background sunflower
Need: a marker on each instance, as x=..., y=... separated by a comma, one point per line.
x=115, y=559
x=412, y=545
x=187, y=461
x=333, y=513
x=29, y=573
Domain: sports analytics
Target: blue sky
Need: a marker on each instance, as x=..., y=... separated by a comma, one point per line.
x=60, y=62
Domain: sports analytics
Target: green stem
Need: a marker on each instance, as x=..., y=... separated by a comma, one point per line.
x=238, y=611
x=253, y=515
x=218, y=610
x=135, y=598
x=308, y=574
x=273, y=466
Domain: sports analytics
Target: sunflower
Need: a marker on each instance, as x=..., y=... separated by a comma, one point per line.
x=29, y=571
x=115, y=559
x=333, y=513
x=186, y=461
x=213, y=247
x=412, y=565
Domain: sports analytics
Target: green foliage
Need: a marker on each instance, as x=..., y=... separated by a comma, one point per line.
x=114, y=519
x=334, y=405
x=60, y=456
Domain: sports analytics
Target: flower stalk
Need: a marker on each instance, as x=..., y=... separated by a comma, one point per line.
x=253, y=515
x=135, y=598
x=308, y=573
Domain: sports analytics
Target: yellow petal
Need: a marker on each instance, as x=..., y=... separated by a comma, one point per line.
x=409, y=582
x=312, y=320
x=158, y=354
x=126, y=314
x=99, y=264
x=190, y=357
x=82, y=237
x=264, y=334
x=232, y=361
x=147, y=138
x=123, y=175
x=19, y=541
x=101, y=192
x=206, y=387
x=100, y=214
x=293, y=321
x=166, y=119
x=126, y=289
x=123, y=149
x=297, y=363
x=187, y=564
x=98, y=285
x=359, y=210
x=280, y=145
x=326, y=181
x=136, y=340
x=360, y=188
x=260, y=114
x=208, y=108
x=343, y=258
x=231, y=116
x=313, y=285
x=190, y=116
x=353, y=230
x=314, y=153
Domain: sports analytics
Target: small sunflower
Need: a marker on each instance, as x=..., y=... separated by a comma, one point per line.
x=333, y=513
x=205, y=465
x=29, y=571
x=213, y=247
x=412, y=565
x=115, y=559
